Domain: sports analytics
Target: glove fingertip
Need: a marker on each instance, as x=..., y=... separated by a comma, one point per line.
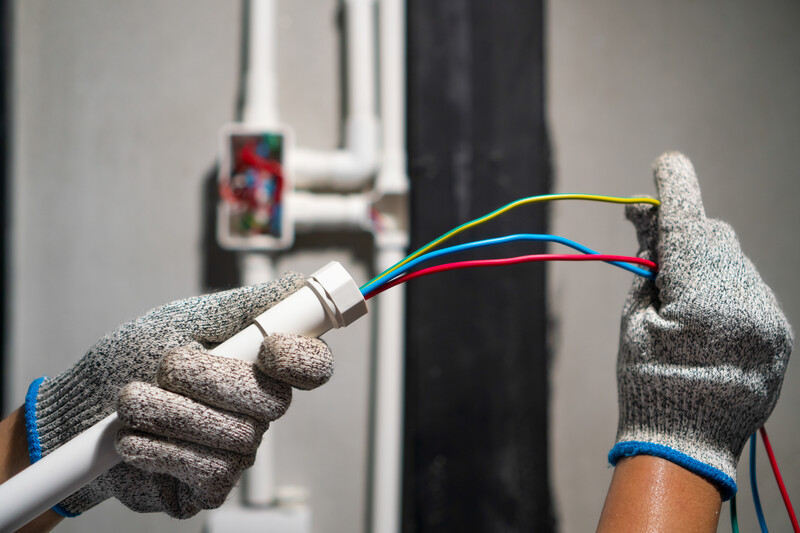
x=175, y=363
x=678, y=187
x=130, y=399
x=640, y=212
x=133, y=447
x=644, y=218
x=302, y=362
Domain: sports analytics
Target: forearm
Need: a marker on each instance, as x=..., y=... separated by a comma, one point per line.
x=14, y=458
x=654, y=495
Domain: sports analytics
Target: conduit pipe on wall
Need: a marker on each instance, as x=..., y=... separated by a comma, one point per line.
x=261, y=87
x=391, y=188
x=393, y=175
x=352, y=166
x=261, y=111
x=311, y=211
x=258, y=486
x=386, y=483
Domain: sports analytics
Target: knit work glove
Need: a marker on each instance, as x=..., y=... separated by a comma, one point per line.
x=704, y=348
x=191, y=421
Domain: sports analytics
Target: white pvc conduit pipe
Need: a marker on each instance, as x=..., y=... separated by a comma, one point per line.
x=393, y=176
x=357, y=162
x=389, y=383
x=391, y=246
x=312, y=211
x=261, y=111
x=261, y=89
x=258, y=481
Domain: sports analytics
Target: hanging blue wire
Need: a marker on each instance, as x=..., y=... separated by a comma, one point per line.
x=754, y=486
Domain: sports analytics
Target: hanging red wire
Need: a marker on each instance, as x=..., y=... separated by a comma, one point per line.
x=779, y=479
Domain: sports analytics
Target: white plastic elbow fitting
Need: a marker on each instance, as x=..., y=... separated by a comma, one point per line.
x=349, y=167
x=339, y=211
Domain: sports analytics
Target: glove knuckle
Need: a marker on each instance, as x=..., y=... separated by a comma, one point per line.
x=131, y=399
x=173, y=365
x=274, y=400
x=218, y=481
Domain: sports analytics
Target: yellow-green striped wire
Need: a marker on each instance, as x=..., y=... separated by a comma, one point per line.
x=497, y=212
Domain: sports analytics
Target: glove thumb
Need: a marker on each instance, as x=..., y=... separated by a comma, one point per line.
x=678, y=190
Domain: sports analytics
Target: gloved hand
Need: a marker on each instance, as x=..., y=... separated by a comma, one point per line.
x=191, y=421
x=704, y=348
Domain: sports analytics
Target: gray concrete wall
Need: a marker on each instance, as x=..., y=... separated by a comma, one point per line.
x=117, y=108
x=627, y=81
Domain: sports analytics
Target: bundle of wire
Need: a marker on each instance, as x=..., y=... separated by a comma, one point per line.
x=762, y=523
x=400, y=272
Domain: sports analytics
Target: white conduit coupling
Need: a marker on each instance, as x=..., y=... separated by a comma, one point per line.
x=338, y=294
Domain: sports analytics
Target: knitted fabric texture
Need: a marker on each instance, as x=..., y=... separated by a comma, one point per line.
x=191, y=421
x=704, y=348
x=276, y=356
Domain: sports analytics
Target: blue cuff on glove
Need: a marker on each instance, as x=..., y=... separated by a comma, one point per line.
x=725, y=484
x=32, y=432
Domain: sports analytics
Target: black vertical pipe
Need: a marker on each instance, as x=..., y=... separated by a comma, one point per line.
x=476, y=446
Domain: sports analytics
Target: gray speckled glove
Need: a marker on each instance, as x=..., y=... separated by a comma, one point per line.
x=191, y=421
x=704, y=348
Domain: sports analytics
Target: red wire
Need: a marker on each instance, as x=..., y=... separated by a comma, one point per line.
x=509, y=261
x=779, y=479
x=249, y=157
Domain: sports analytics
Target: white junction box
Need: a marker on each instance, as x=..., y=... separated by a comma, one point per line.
x=254, y=187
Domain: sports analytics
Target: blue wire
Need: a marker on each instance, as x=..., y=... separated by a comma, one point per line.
x=375, y=284
x=754, y=485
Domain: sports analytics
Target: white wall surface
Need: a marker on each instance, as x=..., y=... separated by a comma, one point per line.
x=626, y=82
x=117, y=108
